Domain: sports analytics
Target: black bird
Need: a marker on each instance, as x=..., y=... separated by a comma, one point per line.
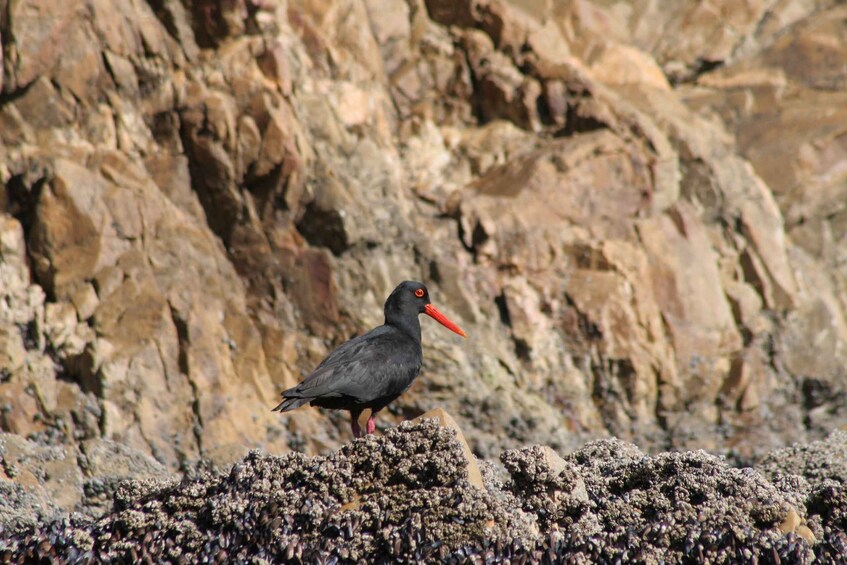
x=373, y=369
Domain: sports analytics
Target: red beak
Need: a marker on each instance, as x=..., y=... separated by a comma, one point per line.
x=433, y=313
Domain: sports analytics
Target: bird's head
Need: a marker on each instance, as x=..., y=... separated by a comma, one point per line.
x=411, y=298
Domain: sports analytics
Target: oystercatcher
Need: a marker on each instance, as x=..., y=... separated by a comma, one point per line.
x=373, y=369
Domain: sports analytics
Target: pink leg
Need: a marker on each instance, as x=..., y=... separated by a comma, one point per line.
x=354, y=424
x=371, y=427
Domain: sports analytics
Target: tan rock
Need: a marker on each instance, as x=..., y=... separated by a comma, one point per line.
x=219, y=113
x=529, y=326
x=392, y=24
x=504, y=91
x=60, y=321
x=447, y=421
x=689, y=292
x=778, y=102
x=745, y=302
x=51, y=468
x=814, y=341
x=681, y=36
x=762, y=225
x=241, y=193
x=20, y=415
x=104, y=458
x=108, y=280
x=39, y=29
x=804, y=532
x=85, y=300
x=114, y=24
x=353, y=505
x=224, y=456
x=601, y=157
x=745, y=380
x=548, y=43
x=620, y=65
x=80, y=70
x=68, y=244
x=46, y=108
x=555, y=466
x=354, y=105
x=123, y=71
x=792, y=523
x=274, y=64
x=12, y=243
x=142, y=304
x=171, y=175
x=40, y=373
x=277, y=144
x=12, y=351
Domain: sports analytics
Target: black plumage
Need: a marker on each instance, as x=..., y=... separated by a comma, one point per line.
x=370, y=371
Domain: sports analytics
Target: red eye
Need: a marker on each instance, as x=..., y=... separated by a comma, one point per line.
x=419, y=293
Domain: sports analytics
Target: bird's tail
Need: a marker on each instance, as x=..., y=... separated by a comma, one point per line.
x=291, y=404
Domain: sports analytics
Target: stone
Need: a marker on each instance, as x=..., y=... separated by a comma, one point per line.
x=105, y=458
x=746, y=303
x=12, y=243
x=806, y=533
x=47, y=106
x=523, y=305
x=708, y=328
x=41, y=372
x=12, y=351
x=67, y=244
x=50, y=469
x=224, y=456
x=548, y=484
x=446, y=421
x=636, y=209
x=123, y=72
x=621, y=65
x=18, y=409
x=745, y=380
x=790, y=523
x=80, y=69
x=106, y=465
x=387, y=479
x=504, y=92
x=793, y=524
x=701, y=33
x=816, y=325
x=274, y=65
x=38, y=29
x=85, y=301
x=819, y=461
x=60, y=320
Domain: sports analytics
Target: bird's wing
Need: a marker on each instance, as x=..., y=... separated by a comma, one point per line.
x=363, y=368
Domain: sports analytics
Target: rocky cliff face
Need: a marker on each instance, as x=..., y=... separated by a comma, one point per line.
x=636, y=211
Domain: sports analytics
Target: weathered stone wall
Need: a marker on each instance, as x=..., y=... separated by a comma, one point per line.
x=637, y=213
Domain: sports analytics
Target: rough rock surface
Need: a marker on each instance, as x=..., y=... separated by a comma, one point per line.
x=637, y=212
x=405, y=495
x=39, y=482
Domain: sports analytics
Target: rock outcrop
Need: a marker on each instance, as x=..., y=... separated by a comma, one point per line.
x=406, y=495
x=637, y=212
x=42, y=482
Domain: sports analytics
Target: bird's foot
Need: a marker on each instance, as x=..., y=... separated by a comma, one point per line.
x=371, y=425
x=357, y=430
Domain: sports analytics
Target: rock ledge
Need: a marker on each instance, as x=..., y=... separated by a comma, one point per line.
x=406, y=495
